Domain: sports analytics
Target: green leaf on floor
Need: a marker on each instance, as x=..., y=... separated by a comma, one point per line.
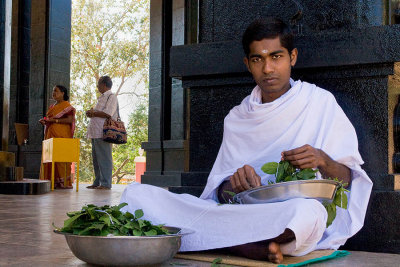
x=216, y=261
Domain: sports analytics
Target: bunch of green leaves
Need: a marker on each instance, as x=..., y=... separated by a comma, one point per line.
x=102, y=221
x=285, y=172
x=340, y=200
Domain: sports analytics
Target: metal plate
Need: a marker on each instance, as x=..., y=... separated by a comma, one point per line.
x=316, y=189
x=126, y=250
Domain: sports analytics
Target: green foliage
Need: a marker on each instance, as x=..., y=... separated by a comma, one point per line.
x=331, y=210
x=102, y=221
x=110, y=38
x=340, y=200
x=286, y=172
x=270, y=167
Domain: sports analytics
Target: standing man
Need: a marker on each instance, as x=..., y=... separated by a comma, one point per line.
x=106, y=107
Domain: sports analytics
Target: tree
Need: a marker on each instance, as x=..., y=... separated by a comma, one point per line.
x=107, y=38
x=137, y=133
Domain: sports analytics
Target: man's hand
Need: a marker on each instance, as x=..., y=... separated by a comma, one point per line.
x=90, y=113
x=304, y=157
x=309, y=157
x=245, y=178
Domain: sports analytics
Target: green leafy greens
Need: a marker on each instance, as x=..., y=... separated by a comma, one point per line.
x=286, y=172
x=102, y=221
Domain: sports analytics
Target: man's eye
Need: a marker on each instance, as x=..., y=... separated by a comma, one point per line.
x=256, y=59
x=276, y=56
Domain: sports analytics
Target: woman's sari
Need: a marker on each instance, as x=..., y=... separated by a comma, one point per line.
x=59, y=130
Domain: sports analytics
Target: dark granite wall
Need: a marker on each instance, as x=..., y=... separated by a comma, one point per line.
x=362, y=93
x=208, y=108
x=224, y=20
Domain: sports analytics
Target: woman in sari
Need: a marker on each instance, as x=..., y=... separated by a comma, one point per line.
x=59, y=123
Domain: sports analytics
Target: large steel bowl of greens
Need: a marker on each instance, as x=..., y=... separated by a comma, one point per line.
x=126, y=250
x=317, y=189
x=108, y=236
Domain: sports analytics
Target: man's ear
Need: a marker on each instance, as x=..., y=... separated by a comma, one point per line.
x=246, y=62
x=293, y=57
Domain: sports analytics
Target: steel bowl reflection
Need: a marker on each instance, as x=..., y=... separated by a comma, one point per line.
x=126, y=250
x=316, y=189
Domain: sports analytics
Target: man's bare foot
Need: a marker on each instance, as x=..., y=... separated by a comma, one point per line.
x=264, y=250
x=274, y=253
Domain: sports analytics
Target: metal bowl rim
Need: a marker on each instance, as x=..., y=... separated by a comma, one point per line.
x=324, y=181
x=181, y=232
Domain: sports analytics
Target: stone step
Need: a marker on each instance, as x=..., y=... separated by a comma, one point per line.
x=25, y=187
x=14, y=173
x=7, y=159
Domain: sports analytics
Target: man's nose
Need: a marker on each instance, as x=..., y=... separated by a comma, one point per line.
x=268, y=66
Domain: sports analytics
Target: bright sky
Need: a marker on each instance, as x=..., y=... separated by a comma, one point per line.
x=128, y=103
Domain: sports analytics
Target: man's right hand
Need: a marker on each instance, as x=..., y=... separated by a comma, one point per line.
x=245, y=178
x=90, y=113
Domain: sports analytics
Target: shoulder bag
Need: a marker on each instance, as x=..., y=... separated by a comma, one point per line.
x=114, y=130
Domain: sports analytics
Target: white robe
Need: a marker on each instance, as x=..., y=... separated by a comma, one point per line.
x=256, y=133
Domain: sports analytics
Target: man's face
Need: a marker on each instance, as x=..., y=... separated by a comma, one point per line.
x=101, y=87
x=270, y=64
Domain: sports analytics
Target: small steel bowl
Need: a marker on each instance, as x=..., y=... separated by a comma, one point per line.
x=316, y=189
x=126, y=250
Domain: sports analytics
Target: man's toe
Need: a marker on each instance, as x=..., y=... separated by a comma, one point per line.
x=274, y=253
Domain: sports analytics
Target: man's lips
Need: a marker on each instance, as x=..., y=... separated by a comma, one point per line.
x=270, y=80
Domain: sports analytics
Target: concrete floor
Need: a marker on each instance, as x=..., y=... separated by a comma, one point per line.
x=27, y=238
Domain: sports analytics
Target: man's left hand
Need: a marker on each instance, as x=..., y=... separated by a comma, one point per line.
x=304, y=157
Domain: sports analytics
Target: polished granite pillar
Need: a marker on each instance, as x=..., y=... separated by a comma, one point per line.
x=5, y=68
x=36, y=47
x=166, y=148
x=41, y=50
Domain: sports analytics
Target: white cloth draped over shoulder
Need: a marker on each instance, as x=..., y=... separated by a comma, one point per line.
x=256, y=133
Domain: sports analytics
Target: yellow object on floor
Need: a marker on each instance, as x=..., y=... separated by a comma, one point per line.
x=241, y=261
x=61, y=150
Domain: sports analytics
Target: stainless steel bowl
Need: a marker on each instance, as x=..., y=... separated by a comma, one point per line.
x=126, y=250
x=317, y=189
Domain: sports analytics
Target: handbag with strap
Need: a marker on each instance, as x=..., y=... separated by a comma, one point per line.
x=114, y=130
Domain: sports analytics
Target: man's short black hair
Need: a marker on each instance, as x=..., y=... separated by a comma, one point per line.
x=106, y=80
x=267, y=28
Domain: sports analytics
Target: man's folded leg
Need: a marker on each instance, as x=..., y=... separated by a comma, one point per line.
x=220, y=226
